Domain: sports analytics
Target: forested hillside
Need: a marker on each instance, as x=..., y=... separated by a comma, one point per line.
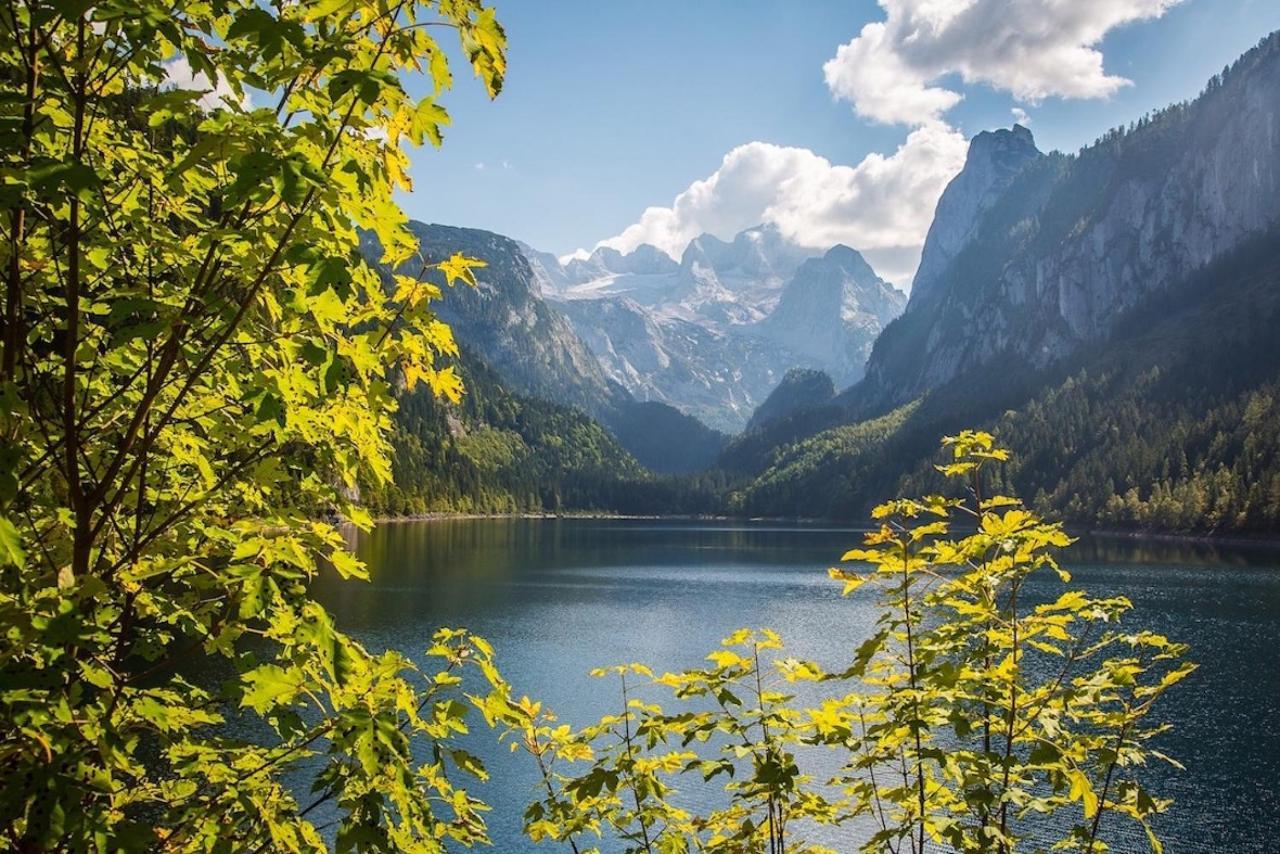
x=499, y=452
x=531, y=348
x=1110, y=315
x=1173, y=424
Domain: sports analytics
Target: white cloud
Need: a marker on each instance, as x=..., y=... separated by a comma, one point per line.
x=479, y=167
x=1033, y=49
x=895, y=72
x=882, y=206
x=1020, y=116
x=575, y=255
x=179, y=75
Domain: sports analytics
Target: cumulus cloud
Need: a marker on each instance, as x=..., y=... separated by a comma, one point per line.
x=178, y=74
x=1033, y=49
x=896, y=71
x=882, y=206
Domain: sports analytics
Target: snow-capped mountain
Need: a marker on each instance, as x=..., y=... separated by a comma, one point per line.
x=714, y=333
x=831, y=311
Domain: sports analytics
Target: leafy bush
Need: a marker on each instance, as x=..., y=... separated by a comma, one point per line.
x=197, y=370
x=972, y=719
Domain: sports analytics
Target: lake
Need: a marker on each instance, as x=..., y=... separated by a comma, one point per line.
x=559, y=597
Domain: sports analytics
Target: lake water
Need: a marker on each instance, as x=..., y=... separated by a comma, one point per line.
x=558, y=597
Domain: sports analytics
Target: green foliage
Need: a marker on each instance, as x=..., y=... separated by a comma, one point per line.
x=975, y=717
x=1171, y=425
x=197, y=367
x=822, y=475
x=497, y=452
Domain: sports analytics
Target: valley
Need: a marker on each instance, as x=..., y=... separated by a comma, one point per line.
x=753, y=376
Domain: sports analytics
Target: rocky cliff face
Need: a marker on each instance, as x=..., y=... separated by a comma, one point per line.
x=717, y=376
x=831, y=311
x=644, y=260
x=527, y=342
x=994, y=158
x=1072, y=243
x=716, y=332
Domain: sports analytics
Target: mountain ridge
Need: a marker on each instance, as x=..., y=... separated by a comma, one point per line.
x=1110, y=315
x=715, y=333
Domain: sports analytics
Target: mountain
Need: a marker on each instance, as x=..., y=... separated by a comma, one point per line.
x=800, y=389
x=715, y=376
x=994, y=159
x=831, y=311
x=500, y=452
x=644, y=260
x=712, y=334
x=1172, y=423
x=738, y=281
x=1073, y=243
x=528, y=343
x=1110, y=315
x=650, y=427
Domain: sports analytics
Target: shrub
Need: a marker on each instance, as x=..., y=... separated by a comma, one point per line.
x=972, y=719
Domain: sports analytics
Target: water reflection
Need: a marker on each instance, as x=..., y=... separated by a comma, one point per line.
x=558, y=597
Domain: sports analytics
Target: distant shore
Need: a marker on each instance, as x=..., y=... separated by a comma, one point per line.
x=1208, y=539
x=447, y=517
x=1270, y=540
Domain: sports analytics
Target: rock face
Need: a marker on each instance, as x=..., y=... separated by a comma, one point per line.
x=994, y=158
x=714, y=333
x=801, y=388
x=535, y=351
x=1071, y=243
x=644, y=260
x=716, y=376
x=831, y=311
x=527, y=342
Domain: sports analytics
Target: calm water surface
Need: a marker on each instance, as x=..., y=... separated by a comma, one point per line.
x=558, y=597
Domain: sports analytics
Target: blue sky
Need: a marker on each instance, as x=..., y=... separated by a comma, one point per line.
x=613, y=107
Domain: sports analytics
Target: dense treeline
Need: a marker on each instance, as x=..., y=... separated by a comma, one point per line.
x=497, y=452
x=1172, y=425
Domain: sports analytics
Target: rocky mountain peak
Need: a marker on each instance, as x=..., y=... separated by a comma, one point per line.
x=847, y=259
x=994, y=158
x=832, y=309
x=757, y=253
x=644, y=260
x=1036, y=256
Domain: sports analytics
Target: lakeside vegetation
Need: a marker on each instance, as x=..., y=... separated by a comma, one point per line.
x=199, y=368
x=971, y=719
x=1169, y=426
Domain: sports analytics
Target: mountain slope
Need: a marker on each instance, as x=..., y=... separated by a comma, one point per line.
x=1111, y=315
x=1173, y=423
x=1072, y=243
x=995, y=158
x=715, y=333
x=830, y=312
x=716, y=376
x=499, y=452
x=529, y=344
x=800, y=389
x=524, y=340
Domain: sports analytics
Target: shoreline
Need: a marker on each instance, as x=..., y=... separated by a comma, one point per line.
x=1208, y=539
x=1260, y=540
x=449, y=517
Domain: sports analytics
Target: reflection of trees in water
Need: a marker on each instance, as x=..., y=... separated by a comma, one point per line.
x=1125, y=548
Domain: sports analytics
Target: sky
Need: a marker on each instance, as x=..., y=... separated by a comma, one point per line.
x=834, y=120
